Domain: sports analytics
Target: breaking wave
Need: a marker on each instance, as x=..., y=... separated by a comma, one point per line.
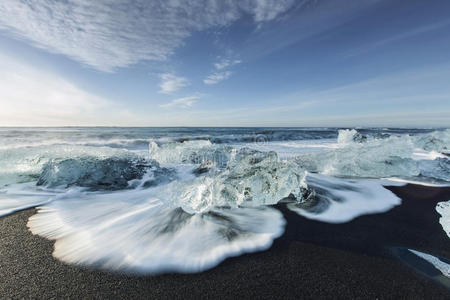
x=193, y=223
x=418, y=157
x=336, y=200
x=146, y=235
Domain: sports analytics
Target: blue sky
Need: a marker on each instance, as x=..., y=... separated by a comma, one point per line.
x=225, y=63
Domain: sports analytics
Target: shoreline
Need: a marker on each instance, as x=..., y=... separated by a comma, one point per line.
x=311, y=259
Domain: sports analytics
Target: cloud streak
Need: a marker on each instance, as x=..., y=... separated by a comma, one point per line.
x=185, y=102
x=110, y=34
x=171, y=83
x=226, y=63
x=217, y=77
x=222, y=74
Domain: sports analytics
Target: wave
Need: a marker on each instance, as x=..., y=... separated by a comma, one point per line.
x=187, y=205
x=393, y=156
x=22, y=196
x=138, y=138
x=137, y=233
x=190, y=152
x=129, y=144
x=195, y=222
x=148, y=231
x=337, y=200
x=357, y=153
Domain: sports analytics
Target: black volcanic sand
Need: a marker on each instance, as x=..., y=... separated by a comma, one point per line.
x=358, y=259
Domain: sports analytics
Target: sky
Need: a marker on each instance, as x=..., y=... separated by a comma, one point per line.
x=225, y=63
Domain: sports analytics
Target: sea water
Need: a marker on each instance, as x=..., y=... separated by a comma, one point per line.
x=155, y=200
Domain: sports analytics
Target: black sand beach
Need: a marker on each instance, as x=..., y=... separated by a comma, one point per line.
x=312, y=259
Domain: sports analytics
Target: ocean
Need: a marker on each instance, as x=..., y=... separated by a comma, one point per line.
x=155, y=200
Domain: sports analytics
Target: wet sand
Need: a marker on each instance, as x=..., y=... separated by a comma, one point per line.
x=311, y=260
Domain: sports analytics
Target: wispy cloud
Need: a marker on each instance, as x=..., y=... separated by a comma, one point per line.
x=217, y=77
x=312, y=17
x=185, y=102
x=395, y=38
x=171, y=83
x=221, y=75
x=225, y=63
x=109, y=34
x=268, y=10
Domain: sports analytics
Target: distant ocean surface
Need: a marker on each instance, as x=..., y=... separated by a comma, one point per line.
x=156, y=200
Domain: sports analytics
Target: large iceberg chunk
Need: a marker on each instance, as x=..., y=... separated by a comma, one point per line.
x=112, y=173
x=393, y=156
x=443, y=208
x=251, y=178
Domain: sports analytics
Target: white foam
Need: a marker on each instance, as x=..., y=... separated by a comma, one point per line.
x=181, y=226
x=443, y=267
x=22, y=196
x=341, y=200
x=131, y=231
x=420, y=154
x=346, y=136
x=443, y=208
x=289, y=149
x=180, y=153
x=416, y=182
